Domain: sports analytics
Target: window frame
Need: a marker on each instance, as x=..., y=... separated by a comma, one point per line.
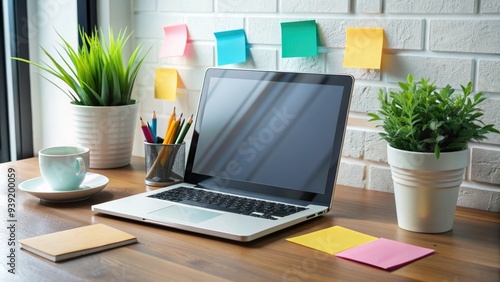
x=21, y=135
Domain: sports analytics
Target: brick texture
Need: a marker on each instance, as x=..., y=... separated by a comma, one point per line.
x=315, y=6
x=443, y=71
x=490, y=6
x=369, y=6
x=244, y=6
x=351, y=174
x=430, y=6
x=186, y=6
x=473, y=197
x=381, y=179
x=354, y=146
x=471, y=36
x=486, y=166
x=449, y=41
x=488, y=76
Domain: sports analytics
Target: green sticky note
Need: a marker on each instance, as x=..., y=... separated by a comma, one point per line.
x=299, y=39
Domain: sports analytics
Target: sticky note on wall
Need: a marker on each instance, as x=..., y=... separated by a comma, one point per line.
x=363, y=48
x=174, y=43
x=166, y=83
x=299, y=39
x=231, y=47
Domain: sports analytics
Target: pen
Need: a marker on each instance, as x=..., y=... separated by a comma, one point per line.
x=146, y=132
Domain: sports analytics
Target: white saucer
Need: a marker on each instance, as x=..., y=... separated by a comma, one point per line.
x=92, y=184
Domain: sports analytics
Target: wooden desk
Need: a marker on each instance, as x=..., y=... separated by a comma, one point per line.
x=470, y=252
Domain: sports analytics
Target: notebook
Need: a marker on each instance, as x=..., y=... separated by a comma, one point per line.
x=258, y=135
x=77, y=242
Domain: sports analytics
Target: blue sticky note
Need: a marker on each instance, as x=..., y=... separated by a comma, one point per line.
x=231, y=47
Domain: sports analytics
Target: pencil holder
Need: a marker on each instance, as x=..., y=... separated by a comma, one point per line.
x=165, y=163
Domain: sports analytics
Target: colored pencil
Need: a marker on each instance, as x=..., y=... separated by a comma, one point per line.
x=172, y=133
x=169, y=126
x=146, y=132
x=154, y=127
x=184, y=131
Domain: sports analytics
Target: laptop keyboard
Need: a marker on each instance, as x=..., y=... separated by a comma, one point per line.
x=228, y=203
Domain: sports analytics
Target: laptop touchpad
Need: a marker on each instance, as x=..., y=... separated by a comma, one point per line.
x=182, y=213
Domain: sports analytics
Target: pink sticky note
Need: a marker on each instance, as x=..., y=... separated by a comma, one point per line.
x=174, y=43
x=385, y=253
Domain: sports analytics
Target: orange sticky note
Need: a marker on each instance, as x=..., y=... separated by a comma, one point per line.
x=333, y=239
x=363, y=48
x=166, y=83
x=174, y=43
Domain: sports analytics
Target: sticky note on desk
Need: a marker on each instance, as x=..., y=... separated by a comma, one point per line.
x=363, y=48
x=174, y=43
x=386, y=254
x=166, y=83
x=231, y=47
x=333, y=239
x=299, y=39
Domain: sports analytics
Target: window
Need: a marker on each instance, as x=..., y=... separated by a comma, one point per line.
x=4, y=126
x=16, y=129
x=15, y=120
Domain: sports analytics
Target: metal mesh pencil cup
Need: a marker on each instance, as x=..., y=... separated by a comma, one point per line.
x=165, y=163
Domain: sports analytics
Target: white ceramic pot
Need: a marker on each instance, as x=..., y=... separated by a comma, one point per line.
x=108, y=131
x=426, y=189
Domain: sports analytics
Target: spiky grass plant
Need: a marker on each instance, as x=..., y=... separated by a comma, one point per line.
x=95, y=73
x=419, y=118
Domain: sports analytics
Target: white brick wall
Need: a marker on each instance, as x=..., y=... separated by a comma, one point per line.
x=490, y=6
x=471, y=36
x=315, y=6
x=488, y=75
x=185, y=6
x=450, y=41
x=245, y=6
x=369, y=6
x=430, y=6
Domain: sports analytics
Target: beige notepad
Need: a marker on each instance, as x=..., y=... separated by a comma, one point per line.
x=77, y=242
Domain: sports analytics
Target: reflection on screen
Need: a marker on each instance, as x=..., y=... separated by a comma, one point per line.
x=264, y=132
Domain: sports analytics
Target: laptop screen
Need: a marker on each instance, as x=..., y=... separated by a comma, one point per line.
x=275, y=133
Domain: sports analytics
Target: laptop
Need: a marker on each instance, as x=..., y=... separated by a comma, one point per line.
x=264, y=156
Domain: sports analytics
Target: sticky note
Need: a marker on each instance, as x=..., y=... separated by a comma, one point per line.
x=363, y=48
x=174, y=43
x=231, y=47
x=166, y=83
x=299, y=39
x=333, y=239
x=386, y=254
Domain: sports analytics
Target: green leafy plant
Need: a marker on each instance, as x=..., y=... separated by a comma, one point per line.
x=95, y=73
x=421, y=119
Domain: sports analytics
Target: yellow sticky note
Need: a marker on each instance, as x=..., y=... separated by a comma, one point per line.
x=166, y=83
x=363, y=48
x=333, y=239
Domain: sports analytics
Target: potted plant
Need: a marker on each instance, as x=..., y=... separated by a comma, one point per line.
x=100, y=89
x=427, y=132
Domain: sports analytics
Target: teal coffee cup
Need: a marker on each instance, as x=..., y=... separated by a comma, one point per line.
x=64, y=168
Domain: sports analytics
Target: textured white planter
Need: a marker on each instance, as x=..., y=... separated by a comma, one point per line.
x=107, y=131
x=426, y=189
